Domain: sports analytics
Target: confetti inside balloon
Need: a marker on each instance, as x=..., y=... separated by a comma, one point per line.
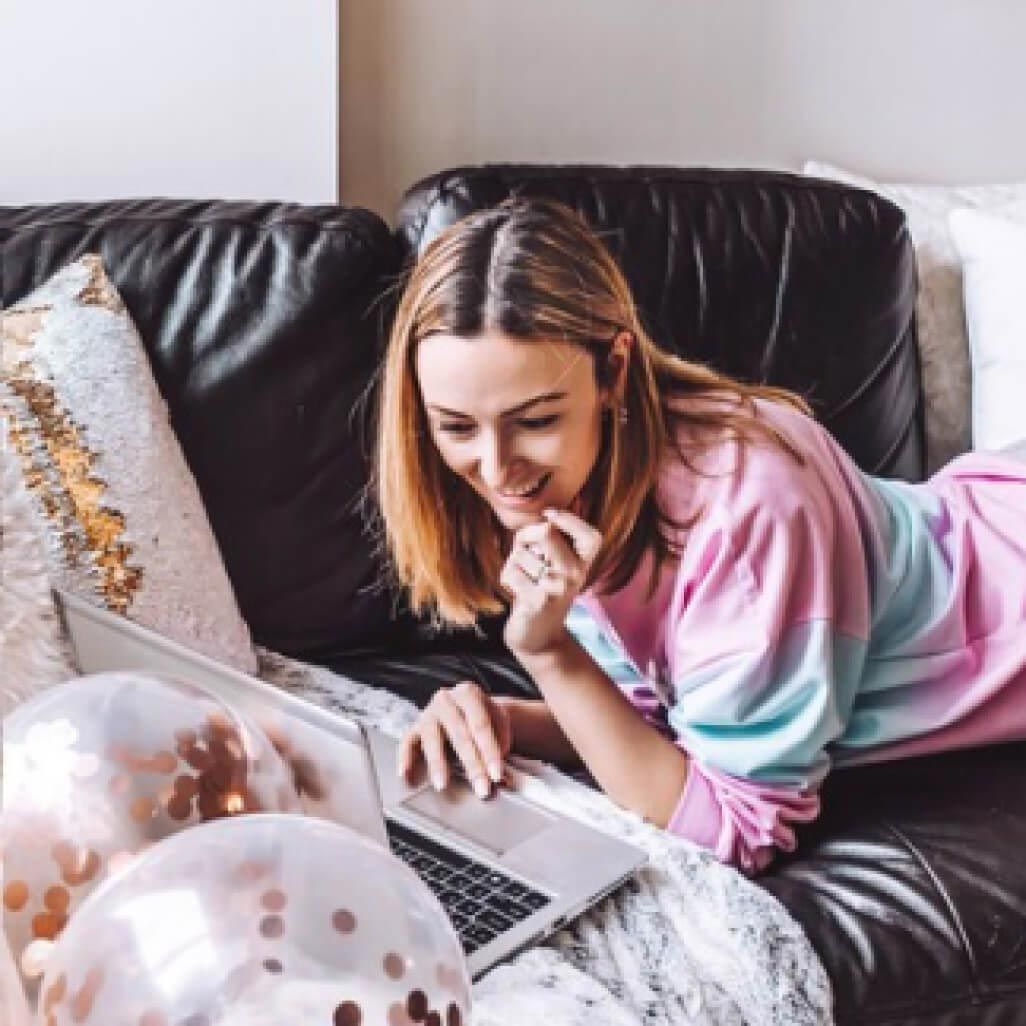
x=101, y=768
x=265, y=919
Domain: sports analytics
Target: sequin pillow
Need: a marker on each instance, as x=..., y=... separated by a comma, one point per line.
x=33, y=652
x=123, y=520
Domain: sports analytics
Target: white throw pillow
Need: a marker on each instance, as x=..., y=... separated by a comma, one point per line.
x=943, y=345
x=993, y=252
x=33, y=652
x=121, y=515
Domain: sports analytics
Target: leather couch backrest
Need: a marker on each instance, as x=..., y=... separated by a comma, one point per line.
x=262, y=324
x=772, y=277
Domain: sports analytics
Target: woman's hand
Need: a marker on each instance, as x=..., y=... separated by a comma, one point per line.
x=545, y=571
x=467, y=720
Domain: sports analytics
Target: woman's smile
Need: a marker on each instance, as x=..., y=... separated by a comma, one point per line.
x=521, y=497
x=521, y=423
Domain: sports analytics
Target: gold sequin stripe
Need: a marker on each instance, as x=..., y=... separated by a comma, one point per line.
x=57, y=468
x=98, y=291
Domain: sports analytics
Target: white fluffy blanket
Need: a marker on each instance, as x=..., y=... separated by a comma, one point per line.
x=687, y=941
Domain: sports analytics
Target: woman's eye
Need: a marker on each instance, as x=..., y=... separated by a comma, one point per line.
x=454, y=429
x=531, y=423
x=534, y=423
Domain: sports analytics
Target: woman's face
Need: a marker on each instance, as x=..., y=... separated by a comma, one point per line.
x=519, y=421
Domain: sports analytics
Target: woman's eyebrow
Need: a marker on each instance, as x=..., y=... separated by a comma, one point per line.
x=548, y=397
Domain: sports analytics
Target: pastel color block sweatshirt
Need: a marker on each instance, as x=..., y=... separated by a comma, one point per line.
x=818, y=617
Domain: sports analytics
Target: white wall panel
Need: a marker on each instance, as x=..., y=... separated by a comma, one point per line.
x=181, y=98
x=922, y=90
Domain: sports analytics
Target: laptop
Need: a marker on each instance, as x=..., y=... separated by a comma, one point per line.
x=507, y=871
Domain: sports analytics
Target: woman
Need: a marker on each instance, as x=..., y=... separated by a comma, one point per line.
x=714, y=602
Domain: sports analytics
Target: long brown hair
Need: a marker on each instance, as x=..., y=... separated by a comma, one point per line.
x=533, y=270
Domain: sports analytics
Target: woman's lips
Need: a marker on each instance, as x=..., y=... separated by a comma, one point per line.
x=521, y=502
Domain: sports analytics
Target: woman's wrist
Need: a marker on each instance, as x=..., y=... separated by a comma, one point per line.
x=508, y=705
x=552, y=656
x=534, y=731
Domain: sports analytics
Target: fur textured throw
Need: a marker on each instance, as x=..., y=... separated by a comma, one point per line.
x=687, y=942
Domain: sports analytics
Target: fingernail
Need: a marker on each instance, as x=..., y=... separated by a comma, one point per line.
x=480, y=787
x=495, y=772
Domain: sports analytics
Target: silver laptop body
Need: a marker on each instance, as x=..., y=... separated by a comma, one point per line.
x=508, y=871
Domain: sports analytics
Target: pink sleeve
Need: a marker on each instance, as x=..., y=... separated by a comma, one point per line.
x=766, y=643
x=740, y=821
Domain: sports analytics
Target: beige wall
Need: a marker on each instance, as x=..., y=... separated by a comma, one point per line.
x=194, y=98
x=925, y=90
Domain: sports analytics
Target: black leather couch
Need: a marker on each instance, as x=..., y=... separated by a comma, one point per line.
x=264, y=325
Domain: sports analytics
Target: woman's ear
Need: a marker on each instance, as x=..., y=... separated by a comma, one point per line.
x=619, y=360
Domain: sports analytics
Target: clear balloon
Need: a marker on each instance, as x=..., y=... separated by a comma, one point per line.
x=267, y=919
x=14, y=1009
x=99, y=769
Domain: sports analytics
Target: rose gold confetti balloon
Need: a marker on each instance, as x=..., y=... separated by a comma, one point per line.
x=259, y=921
x=14, y=1009
x=99, y=769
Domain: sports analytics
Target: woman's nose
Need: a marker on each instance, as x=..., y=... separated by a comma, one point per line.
x=494, y=458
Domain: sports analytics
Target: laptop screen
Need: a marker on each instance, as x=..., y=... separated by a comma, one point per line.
x=333, y=746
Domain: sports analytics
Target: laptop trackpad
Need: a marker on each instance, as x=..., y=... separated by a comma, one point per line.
x=495, y=824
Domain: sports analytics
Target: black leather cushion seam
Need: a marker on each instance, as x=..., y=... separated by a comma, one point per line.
x=350, y=227
x=448, y=182
x=769, y=355
x=601, y=178
x=898, y=348
x=952, y=1011
x=910, y=425
x=198, y=222
x=956, y=920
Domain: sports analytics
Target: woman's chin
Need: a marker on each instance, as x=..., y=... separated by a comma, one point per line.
x=514, y=519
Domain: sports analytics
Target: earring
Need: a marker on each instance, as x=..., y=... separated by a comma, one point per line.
x=622, y=416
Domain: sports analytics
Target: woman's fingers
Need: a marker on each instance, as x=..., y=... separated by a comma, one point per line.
x=474, y=705
x=532, y=562
x=407, y=755
x=546, y=539
x=543, y=547
x=586, y=539
x=457, y=731
x=516, y=580
x=460, y=719
x=412, y=757
x=432, y=745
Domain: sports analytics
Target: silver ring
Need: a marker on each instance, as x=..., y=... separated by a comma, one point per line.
x=546, y=567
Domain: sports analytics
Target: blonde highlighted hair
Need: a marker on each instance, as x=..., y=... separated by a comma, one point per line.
x=533, y=270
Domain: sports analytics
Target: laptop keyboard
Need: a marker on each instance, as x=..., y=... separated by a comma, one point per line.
x=481, y=902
